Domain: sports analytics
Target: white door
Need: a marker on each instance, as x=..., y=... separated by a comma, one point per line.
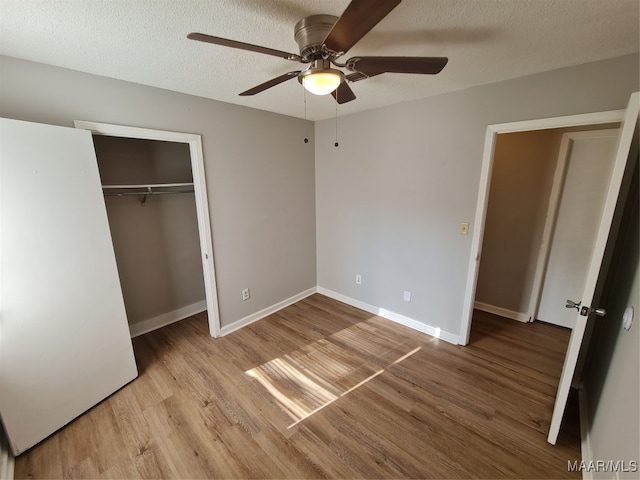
x=626, y=153
x=64, y=338
x=586, y=159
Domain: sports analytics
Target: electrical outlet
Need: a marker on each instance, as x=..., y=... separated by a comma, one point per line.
x=245, y=294
x=464, y=228
x=358, y=279
x=407, y=296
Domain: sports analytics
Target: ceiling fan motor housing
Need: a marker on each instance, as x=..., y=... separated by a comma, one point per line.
x=310, y=33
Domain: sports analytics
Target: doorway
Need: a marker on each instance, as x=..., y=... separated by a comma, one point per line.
x=618, y=186
x=540, y=227
x=191, y=145
x=590, y=120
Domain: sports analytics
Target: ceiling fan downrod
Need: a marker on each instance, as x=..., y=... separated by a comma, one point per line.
x=310, y=34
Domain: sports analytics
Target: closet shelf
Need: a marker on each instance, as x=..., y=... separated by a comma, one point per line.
x=148, y=189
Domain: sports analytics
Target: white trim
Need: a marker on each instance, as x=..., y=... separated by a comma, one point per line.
x=585, y=432
x=200, y=194
x=503, y=312
x=111, y=130
x=478, y=235
x=150, y=324
x=265, y=312
x=597, y=118
x=7, y=461
x=582, y=119
x=549, y=225
x=394, y=317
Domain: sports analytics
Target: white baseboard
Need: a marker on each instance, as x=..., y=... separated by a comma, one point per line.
x=585, y=431
x=503, y=312
x=394, y=317
x=265, y=312
x=146, y=326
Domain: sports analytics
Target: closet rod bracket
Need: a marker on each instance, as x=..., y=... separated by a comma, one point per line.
x=143, y=202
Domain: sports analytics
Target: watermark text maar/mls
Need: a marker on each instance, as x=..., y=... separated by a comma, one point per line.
x=603, y=466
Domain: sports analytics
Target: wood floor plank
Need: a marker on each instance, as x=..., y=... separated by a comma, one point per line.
x=322, y=389
x=178, y=437
x=47, y=449
x=286, y=456
x=317, y=445
x=122, y=468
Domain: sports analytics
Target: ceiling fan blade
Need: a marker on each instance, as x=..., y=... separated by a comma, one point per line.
x=356, y=21
x=343, y=93
x=357, y=76
x=225, y=42
x=423, y=65
x=271, y=83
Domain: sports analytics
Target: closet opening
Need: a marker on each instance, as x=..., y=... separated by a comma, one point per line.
x=156, y=201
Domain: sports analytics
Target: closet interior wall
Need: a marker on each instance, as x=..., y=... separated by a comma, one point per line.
x=155, y=237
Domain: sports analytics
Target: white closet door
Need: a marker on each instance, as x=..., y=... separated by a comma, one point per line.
x=64, y=338
x=591, y=156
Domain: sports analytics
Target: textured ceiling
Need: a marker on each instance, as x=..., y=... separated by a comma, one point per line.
x=144, y=41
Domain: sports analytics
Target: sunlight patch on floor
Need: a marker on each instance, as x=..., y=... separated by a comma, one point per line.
x=309, y=379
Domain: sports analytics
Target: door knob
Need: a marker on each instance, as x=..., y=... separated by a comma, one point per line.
x=586, y=311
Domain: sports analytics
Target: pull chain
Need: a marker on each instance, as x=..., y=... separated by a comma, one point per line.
x=336, y=144
x=306, y=137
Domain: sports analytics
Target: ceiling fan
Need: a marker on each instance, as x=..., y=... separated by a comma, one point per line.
x=323, y=39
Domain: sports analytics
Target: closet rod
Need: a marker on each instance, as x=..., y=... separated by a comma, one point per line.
x=147, y=189
x=148, y=185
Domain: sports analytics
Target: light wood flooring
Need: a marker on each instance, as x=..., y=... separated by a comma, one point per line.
x=324, y=390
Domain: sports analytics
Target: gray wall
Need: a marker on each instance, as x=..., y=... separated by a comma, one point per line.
x=612, y=372
x=260, y=174
x=390, y=198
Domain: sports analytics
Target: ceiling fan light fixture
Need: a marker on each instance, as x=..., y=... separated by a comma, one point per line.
x=321, y=81
x=322, y=39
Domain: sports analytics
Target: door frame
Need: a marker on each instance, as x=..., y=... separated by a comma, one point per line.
x=200, y=192
x=491, y=137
